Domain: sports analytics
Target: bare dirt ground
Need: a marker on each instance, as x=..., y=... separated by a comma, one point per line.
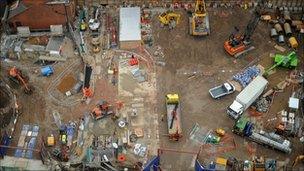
x=184, y=53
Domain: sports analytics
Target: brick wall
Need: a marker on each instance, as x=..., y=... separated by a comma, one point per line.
x=40, y=16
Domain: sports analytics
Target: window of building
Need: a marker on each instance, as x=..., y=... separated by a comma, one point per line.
x=11, y=25
x=18, y=24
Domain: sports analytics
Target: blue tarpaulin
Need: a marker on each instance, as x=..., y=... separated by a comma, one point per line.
x=245, y=77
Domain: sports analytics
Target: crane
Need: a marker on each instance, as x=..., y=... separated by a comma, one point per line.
x=238, y=44
x=199, y=21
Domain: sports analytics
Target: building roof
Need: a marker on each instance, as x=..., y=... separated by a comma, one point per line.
x=129, y=24
x=17, y=10
x=54, y=43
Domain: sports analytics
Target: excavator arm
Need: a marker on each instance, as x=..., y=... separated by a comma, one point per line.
x=253, y=22
x=200, y=8
x=238, y=45
x=297, y=160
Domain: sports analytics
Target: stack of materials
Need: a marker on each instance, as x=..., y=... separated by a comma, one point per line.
x=245, y=77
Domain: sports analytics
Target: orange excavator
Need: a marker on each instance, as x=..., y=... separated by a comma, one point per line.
x=101, y=110
x=239, y=44
x=17, y=76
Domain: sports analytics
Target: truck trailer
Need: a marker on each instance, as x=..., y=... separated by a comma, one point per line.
x=173, y=116
x=247, y=97
x=245, y=128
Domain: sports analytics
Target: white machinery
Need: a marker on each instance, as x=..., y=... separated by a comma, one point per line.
x=247, y=97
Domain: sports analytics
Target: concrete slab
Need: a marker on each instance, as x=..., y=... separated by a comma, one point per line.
x=139, y=96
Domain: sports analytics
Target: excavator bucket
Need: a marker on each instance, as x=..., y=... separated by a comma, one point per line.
x=13, y=72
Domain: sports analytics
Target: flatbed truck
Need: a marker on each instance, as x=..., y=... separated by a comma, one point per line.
x=173, y=116
x=221, y=90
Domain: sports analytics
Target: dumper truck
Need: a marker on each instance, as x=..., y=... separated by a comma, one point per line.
x=173, y=116
x=221, y=90
x=246, y=97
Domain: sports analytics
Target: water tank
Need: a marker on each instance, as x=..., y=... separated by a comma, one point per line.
x=279, y=28
x=281, y=39
x=273, y=32
x=287, y=29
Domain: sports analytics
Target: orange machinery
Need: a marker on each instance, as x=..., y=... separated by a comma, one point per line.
x=17, y=76
x=87, y=90
x=239, y=44
x=101, y=110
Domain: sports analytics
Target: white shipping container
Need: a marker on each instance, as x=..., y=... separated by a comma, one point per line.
x=252, y=91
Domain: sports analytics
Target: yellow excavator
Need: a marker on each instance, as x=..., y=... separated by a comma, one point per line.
x=199, y=21
x=297, y=160
x=170, y=19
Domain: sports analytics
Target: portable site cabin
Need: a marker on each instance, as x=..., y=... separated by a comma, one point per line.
x=129, y=28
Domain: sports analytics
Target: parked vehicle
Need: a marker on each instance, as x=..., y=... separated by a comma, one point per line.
x=174, y=116
x=247, y=97
x=222, y=90
x=245, y=128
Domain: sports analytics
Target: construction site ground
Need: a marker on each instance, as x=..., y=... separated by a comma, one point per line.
x=184, y=55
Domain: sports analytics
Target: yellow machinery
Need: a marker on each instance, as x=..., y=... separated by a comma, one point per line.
x=96, y=44
x=50, y=140
x=199, y=21
x=173, y=116
x=83, y=26
x=297, y=160
x=293, y=43
x=170, y=19
x=221, y=132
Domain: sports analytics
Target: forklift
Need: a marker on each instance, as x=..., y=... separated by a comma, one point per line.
x=240, y=44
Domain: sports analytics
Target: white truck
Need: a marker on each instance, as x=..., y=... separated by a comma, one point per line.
x=222, y=90
x=247, y=97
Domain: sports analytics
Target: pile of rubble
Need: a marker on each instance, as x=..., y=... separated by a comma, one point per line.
x=146, y=30
x=262, y=104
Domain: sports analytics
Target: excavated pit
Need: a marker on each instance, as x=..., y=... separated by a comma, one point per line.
x=6, y=106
